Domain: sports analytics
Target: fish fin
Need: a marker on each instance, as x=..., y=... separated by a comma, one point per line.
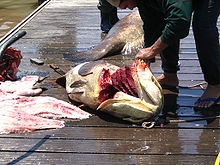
x=61, y=81
x=76, y=91
x=105, y=103
x=133, y=47
x=87, y=67
x=78, y=84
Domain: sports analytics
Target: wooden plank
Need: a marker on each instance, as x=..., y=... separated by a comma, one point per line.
x=98, y=159
x=186, y=142
x=86, y=130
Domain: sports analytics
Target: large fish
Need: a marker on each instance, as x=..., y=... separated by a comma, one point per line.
x=129, y=93
x=126, y=36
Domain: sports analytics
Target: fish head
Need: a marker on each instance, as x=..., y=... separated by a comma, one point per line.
x=129, y=93
x=82, y=82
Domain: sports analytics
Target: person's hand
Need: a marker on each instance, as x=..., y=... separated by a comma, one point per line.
x=152, y=51
x=145, y=54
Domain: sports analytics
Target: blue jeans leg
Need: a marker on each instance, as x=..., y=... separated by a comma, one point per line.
x=207, y=38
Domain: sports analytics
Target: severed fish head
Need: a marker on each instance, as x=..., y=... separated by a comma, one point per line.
x=129, y=93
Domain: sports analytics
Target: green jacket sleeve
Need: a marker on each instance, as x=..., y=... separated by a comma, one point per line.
x=178, y=17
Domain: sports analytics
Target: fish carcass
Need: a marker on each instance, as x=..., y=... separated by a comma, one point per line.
x=126, y=36
x=130, y=93
x=19, y=113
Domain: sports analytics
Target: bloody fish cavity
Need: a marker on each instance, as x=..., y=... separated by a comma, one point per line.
x=121, y=80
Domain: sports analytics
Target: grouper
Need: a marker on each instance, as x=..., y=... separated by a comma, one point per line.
x=129, y=93
x=125, y=37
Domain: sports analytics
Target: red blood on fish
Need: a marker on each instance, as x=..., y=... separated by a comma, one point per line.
x=140, y=64
x=107, y=93
x=116, y=80
x=9, y=62
x=130, y=81
x=120, y=80
x=123, y=81
x=107, y=90
x=104, y=79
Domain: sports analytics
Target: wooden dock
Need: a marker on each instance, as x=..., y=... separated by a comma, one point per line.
x=70, y=26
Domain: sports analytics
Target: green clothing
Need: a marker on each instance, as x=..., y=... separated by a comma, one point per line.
x=176, y=15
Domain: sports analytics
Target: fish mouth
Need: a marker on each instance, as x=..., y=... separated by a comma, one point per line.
x=130, y=93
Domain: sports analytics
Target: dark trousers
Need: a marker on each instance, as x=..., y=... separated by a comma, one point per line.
x=154, y=24
x=106, y=7
x=207, y=38
x=108, y=15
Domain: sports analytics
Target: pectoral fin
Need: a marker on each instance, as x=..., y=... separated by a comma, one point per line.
x=78, y=84
x=86, y=69
x=61, y=81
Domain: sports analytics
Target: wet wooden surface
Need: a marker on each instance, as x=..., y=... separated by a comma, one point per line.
x=70, y=26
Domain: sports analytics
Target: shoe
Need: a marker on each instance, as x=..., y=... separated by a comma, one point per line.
x=214, y=100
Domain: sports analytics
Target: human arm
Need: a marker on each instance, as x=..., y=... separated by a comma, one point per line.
x=152, y=51
x=177, y=15
x=177, y=18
